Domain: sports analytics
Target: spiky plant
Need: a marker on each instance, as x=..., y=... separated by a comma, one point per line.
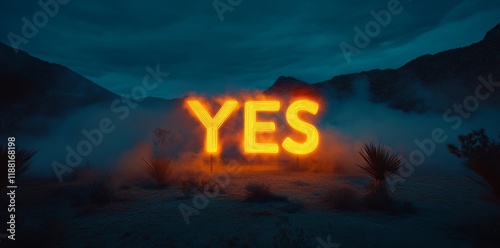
x=159, y=169
x=482, y=155
x=379, y=163
x=23, y=161
x=159, y=163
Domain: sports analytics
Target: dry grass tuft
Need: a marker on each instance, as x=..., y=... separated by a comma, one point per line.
x=344, y=198
x=261, y=193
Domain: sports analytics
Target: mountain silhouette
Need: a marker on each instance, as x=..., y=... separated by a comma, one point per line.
x=420, y=84
x=37, y=90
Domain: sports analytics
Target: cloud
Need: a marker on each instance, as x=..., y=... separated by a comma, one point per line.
x=257, y=42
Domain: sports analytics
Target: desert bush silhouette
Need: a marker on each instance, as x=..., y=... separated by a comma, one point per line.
x=482, y=155
x=379, y=163
x=102, y=190
x=343, y=197
x=287, y=237
x=23, y=161
x=191, y=186
x=261, y=193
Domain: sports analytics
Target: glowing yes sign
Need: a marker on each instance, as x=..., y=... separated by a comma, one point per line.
x=212, y=124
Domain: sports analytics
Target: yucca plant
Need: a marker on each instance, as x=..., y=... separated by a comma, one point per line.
x=159, y=169
x=379, y=163
x=23, y=161
x=159, y=164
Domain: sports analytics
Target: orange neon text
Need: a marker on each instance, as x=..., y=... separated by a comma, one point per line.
x=252, y=126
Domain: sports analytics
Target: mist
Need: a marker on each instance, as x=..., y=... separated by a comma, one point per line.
x=344, y=125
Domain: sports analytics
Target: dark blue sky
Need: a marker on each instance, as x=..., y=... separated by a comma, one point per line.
x=111, y=42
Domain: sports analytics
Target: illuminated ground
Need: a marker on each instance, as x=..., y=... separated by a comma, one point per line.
x=446, y=207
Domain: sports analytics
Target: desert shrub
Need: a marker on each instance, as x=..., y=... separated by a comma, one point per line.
x=23, y=161
x=189, y=186
x=290, y=238
x=379, y=163
x=293, y=206
x=343, y=198
x=83, y=173
x=213, y=188
x=87, y=196
x=101, y=191
x=482, y=155
x=261, y=193
x=193, y=185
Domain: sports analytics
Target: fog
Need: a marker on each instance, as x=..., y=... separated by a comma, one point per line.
x=343, y=127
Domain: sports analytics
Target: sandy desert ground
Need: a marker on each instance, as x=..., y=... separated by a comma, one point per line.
x=439, y=210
